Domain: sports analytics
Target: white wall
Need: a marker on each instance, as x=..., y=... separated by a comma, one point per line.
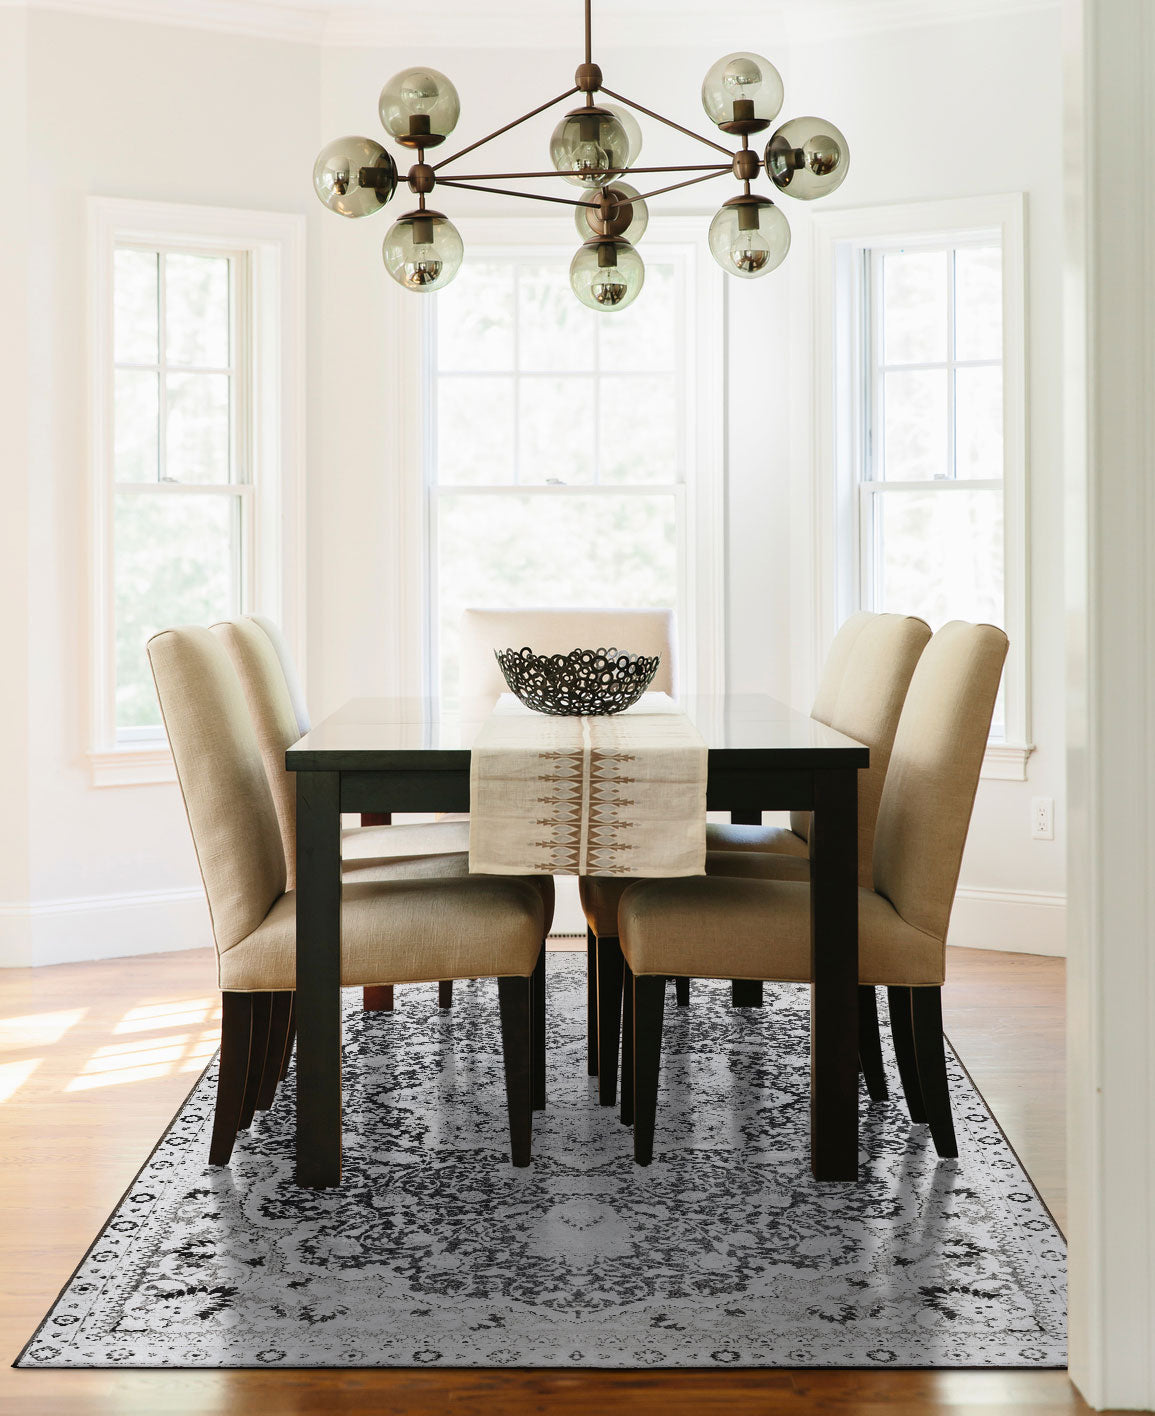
x=122, y=109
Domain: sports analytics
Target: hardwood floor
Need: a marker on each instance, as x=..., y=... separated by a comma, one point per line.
x=96, y=1058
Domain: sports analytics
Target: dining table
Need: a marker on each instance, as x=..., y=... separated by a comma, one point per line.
x=378, y=755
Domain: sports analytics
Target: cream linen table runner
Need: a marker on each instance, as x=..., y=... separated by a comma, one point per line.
x=617, y=795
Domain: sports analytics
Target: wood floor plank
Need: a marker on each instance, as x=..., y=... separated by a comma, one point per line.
x=108, y=1051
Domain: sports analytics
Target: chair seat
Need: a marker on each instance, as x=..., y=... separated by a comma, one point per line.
x=404, y=931
x=406, y=839
x=779, y=840
x=725, y=927
x=453, y=866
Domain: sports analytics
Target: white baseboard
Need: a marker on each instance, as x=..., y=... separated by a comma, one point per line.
x=70, y=931
x=1014, y=921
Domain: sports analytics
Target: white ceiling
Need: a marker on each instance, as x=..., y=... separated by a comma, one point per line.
x=540, y=23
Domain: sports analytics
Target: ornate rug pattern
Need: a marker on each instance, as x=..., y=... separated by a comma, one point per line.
x=436, y=1252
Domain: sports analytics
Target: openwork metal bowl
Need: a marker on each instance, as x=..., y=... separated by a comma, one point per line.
x=584, y=681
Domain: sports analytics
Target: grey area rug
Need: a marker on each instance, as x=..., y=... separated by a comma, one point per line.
x=436, y=1252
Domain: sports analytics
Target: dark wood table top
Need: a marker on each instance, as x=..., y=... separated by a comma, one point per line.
x=746, y=730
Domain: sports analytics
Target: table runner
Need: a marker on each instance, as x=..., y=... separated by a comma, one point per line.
x=617, y=795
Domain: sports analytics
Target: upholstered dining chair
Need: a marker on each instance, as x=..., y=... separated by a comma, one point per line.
x=392, y=930
x=759, y=928
x=862, y=693
x=557, y=632
x=259, y=656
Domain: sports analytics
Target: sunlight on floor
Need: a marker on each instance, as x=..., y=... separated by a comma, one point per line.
x=149, y=1057
x=15, y=1074
x=37, y=1029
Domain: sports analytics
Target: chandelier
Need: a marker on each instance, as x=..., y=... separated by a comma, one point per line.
x=594, y=147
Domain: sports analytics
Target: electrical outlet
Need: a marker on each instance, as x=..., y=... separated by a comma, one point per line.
x=1042, y=818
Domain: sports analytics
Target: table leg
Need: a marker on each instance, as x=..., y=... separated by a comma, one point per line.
x=318, y=978
x=746, y=992
x=834, y=970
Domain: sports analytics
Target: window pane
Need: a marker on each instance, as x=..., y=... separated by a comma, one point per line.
x=979, y=422
x=175, y=564
x=474, y=430
x=135, y=307
x=978, y=285
x=914, y=307
x=643, y=336
x=196, y=291
x=638, y=429
x=475, y=318
x=197, y=437
x=554, y=331
x=555, y=429
x=137, y=418
x=549, y=549
x=915, y=426
x=940, y=555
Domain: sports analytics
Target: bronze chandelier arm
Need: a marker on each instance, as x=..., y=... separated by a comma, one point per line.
x=453, y=156
x=467, y=186
x=673, y=187
x=609, y=172
x=669, y=122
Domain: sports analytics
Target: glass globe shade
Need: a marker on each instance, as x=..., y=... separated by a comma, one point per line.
x=807, y=158
x=337, y=176
x=422, y=251
x=742, y=88
x=587, y=145
x=586, y=218
x=749, y=240
x=607, y=275
x=632, y=128
x=419, y=104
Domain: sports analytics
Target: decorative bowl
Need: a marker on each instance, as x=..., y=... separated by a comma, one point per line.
x=582, y=682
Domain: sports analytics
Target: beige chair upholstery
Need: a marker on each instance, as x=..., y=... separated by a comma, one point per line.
x=288, y=664
x=863, y=688
x=715, y=928
x=557, y=632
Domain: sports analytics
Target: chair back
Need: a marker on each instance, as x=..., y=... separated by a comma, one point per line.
x=863, y=688
x=288, y=668
x=557, y=632
x=930, y=788
x=222, y=780
x=260, y=669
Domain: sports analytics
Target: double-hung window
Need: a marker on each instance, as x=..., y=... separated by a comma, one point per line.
x=191, y=348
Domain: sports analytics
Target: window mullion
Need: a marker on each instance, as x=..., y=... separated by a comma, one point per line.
x=951, y=376
x=162, y=371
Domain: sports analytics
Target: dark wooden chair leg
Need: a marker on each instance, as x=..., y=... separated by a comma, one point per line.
x=236, y=1036
x=870, y=1045
x=902, y=1031
x=745, y=993
x=926, y=1016
x=649, y=1006
x=591, y=1003
x=378, y=998
x=376, y=818
x=609, y=1016
x=516, y=1007
x=682, y=991
x=258, y=1049
x=445, y=993
x=627, y=1112
x=538, y=1031
x=280, y=1014
x=290, y=1036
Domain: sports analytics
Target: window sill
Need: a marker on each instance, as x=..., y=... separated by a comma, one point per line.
x=131, y=766
x=1006, y=762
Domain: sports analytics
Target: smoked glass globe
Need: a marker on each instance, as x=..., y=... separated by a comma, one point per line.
x=807, y=158
x=631, y=127
x=419, y=105
x=337, y=176
x=588, y=221
x=742, y=88
x=607, y=275
x=422, y=251
x=749, y=239
x=587, y=145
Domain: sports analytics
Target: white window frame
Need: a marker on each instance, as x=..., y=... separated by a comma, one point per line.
x=273, y=291
x=699, y=498
x=840, y=241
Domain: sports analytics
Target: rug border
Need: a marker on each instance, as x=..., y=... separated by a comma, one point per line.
x=326, y=1367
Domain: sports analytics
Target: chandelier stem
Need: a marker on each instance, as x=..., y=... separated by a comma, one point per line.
x=645, y=196
x=468, y=186
x=589, y=36
x=669, y=122
x=569, y=93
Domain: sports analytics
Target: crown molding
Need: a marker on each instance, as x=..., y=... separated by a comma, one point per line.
x=464, y=24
